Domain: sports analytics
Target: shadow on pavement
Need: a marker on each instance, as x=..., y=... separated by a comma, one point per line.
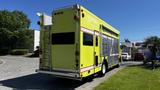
x=40, y=82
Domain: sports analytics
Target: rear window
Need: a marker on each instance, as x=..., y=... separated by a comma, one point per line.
x=63, y=38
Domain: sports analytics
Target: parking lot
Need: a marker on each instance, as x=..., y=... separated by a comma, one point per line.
x=18, y=72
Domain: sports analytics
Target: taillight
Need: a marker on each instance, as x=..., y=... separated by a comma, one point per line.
x=76, y=17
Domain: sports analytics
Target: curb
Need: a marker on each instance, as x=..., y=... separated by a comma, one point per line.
x=99, y=80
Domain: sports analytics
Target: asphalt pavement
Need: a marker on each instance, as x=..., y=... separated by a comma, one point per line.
x=18, y=73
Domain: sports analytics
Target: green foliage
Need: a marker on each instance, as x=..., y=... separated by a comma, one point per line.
x=154, y=40
x=14, y=31
x=133, y=78
x=13, y=21
x=24, y=39
x=154, y=43
x=6, y=37
x=19, y=51
x=4, y=51
x=127, y=40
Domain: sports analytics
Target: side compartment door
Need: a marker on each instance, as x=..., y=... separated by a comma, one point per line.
x=96, y=49
x=110, y=58
x=87, y=52
x=106, y=49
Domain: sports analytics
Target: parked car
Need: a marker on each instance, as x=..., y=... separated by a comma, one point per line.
x=139, y=56
x=126, y=56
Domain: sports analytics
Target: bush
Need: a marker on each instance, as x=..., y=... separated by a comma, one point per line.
x=19, y=51
x=4, y=51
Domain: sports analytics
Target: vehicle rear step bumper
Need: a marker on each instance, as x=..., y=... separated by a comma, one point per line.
x=71, y=75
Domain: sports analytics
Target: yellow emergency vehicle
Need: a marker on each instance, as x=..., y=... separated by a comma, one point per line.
x=77, y=44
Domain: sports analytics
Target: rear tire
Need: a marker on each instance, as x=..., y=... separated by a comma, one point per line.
x=103, y=69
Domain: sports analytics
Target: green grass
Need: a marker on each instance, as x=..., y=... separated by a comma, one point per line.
x=133, y=78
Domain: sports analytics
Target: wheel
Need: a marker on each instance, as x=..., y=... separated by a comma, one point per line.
x=103, y=69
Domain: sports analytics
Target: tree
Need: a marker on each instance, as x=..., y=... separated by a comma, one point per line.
x=153, y=42
x=13, y=21
x=14, y=30
x=127, y=40
x=24, y=39
x=6, y=36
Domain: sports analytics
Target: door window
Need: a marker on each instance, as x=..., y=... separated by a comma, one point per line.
x=87, y=39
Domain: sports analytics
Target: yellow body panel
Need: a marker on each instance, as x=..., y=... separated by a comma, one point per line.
x=93, y=19
x=92, y=23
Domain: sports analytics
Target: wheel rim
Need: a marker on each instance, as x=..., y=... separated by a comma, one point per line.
x=103, y=69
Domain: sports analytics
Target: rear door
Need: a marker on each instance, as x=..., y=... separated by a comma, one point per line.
x=63, y=50
x=64, y=40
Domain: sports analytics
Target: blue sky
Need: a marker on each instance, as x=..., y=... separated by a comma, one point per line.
x=135, y=19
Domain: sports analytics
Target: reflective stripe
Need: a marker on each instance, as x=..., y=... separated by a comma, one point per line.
x=89, y=68
x=68, y=70
x=96, y=33
x=99, y=65
x=115, y=54
x=87, y=30
x=86, y=68
x=104, y=36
